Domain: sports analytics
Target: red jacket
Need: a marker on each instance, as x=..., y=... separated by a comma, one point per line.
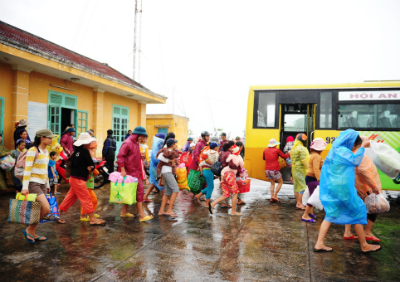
x=129, y=157
x=196, y=153
x=271, y=156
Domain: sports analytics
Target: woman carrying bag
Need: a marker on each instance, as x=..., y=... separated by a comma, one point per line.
x=80, y=166
x=36, y=179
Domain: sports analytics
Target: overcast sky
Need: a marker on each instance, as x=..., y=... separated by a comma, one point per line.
x=208, y=53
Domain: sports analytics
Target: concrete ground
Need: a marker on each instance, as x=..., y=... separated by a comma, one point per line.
x=268, y=243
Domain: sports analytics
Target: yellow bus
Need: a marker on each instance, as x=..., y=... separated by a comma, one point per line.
x=278, y=111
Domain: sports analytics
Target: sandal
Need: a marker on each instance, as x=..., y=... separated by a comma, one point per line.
x=326, y=250
x=171, y=214
x=210, y=208
x=309, y=220
x=276, y=199
x=373, y=249
x=352, y=237
x=226, y=206
x=146, y=218
x=85, y=219
x=26, y=237
x=127, y=215
x=373, y=238
x=312, y=215
x=38, y=238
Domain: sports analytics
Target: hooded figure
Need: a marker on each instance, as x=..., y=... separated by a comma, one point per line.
x=338, y=194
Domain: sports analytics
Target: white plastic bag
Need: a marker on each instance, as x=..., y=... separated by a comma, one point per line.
x=376, y=203
x=306, y=196
x=314, y=200
x=385, y=158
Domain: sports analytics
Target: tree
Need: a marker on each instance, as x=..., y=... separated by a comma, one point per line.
x=190, y=132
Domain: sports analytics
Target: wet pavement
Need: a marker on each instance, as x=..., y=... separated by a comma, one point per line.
x=268, y=243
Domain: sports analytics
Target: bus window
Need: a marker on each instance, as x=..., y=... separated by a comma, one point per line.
x=266, y=109
x=325, y=112
x=295, y=122
x=371, y=116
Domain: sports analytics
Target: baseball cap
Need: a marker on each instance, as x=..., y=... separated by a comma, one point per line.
x=45, y=133
x=171, y=141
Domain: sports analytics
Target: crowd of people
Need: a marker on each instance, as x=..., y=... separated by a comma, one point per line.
x=344, y=178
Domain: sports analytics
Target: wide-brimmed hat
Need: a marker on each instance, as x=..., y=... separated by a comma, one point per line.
x=140, y=130
x=318, y=144
x=23, y=122
x=44, y=133
x=84, y=138
x=273, y=143
x=71, y=129
x=235, y=150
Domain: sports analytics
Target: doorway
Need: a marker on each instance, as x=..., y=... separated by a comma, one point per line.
x=67, y=118
x=296, y=118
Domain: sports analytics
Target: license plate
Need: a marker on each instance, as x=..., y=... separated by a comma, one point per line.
x=105, y=169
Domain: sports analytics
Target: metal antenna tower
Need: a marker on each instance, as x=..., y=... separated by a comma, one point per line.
x=136, y=40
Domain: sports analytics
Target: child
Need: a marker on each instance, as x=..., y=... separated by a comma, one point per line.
x=53, y=175
x=144, y=150
x=169, y=153
x=15, y=154
x=229, y=185
x=209, y=155
x=166, y=155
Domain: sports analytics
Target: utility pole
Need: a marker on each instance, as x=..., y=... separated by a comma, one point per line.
x=136, y=39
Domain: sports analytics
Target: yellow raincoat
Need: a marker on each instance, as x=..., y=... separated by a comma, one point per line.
x=300, y=159
x=55, y=146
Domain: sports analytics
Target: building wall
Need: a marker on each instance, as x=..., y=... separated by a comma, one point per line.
x=38, y=86
x=177, y=124
x=5, y=91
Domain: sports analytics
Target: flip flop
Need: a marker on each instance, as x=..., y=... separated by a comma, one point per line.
x=26, y=237
x=241, y=204
x=309, y=220
x=127, y=215
x=373, y=249
x=352, y=237
x=272, y=200
x=210, y=208
x=147, y=201
x=38, y=238
x=61, y=221
x=198, y=200
x=171, y=214
x=300, y=209
x=236, y=214
x=312, y=215
x=226, y=206
x=276, y=199
x=373, y=238
x=146, y=218
x=323, y=250
x=85, y=219
x=96, y=215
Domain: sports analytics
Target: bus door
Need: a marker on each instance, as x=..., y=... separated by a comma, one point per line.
x=296, y=118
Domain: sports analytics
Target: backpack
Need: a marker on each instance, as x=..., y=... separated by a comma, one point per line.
x=20, y=164
x=216, y=168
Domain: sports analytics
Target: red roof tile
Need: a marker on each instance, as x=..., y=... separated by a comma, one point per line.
x=41, y=45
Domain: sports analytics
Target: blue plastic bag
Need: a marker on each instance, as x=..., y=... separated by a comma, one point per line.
x=54, y=212
x=338, y=194
x=157, y=145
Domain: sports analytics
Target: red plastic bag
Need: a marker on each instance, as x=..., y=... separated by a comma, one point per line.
x=244, y=185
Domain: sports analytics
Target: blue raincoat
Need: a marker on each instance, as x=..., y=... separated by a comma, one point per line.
x=337, y=184
x=157, y=145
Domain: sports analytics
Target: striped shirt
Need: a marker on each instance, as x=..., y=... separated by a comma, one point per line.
x=36, y=171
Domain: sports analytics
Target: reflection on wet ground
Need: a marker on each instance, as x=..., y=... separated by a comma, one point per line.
x=268, y=243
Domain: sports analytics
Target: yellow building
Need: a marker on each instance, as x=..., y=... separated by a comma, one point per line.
x=167, y=123
x=51, y=87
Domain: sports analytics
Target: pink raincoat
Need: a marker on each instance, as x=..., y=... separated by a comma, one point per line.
x=196, y=153
x=129, y=156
